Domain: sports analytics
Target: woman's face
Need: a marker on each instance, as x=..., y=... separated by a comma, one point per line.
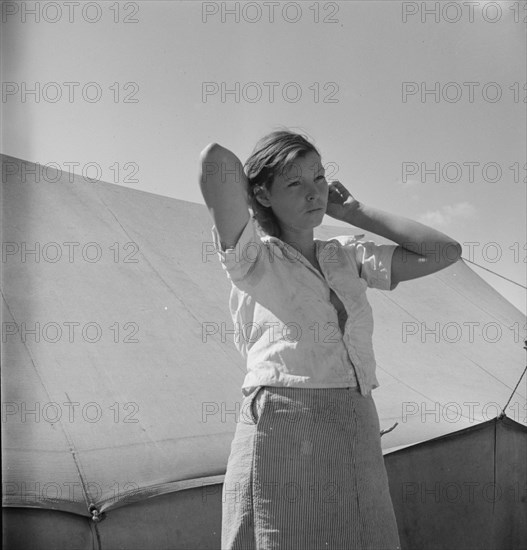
x=299, y=195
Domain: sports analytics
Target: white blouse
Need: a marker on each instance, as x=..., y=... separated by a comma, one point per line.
x=285, y=324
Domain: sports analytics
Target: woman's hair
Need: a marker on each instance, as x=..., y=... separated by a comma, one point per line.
x=270, y=158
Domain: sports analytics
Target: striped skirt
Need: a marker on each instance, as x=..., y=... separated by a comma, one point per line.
x=306, y=472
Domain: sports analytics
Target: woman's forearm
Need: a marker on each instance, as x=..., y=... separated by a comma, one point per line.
x=412, y=235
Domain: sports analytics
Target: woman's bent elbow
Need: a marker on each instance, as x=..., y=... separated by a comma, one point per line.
x=211, y=148
x=455, y=251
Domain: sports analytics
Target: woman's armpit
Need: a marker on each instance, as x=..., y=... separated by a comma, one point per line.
x=240, y=259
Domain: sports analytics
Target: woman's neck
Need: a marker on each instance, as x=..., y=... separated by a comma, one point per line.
x=301, y=241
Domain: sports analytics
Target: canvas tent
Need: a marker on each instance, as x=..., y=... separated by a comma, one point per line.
x=121, y=381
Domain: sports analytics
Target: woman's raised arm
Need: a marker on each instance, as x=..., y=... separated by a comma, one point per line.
x=422, y=250
x=224, y=187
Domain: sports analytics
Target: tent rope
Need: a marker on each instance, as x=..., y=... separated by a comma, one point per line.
x=497, y=274
x=388, y=430
x=515, y=387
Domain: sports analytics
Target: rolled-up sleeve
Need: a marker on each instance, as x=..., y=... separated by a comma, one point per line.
x=238, y=261
x=374, y=262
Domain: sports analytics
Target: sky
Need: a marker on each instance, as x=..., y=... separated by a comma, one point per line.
x=418, y=108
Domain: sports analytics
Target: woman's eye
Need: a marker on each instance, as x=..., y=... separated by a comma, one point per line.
x=293, y=183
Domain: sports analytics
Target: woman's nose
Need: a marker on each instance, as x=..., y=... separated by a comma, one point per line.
x=312, y=192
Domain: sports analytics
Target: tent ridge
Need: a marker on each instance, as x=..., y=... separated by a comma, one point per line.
x=501, y=419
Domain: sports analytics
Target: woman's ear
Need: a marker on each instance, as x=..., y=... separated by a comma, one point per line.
x=262, y=196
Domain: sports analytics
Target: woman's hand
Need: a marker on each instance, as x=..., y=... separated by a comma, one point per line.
x=341, y=203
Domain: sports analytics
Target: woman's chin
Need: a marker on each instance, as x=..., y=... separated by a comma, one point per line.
x=318, y=216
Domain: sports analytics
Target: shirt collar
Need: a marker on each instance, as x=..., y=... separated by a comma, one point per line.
x=286, y=249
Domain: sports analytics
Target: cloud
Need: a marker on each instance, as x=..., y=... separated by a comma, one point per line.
x=448, y=214
x=410, y=182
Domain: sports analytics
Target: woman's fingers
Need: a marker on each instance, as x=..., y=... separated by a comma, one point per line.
x=337, y=189
x=335, y=185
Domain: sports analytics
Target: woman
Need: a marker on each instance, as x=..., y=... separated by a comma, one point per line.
x=306, y=469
